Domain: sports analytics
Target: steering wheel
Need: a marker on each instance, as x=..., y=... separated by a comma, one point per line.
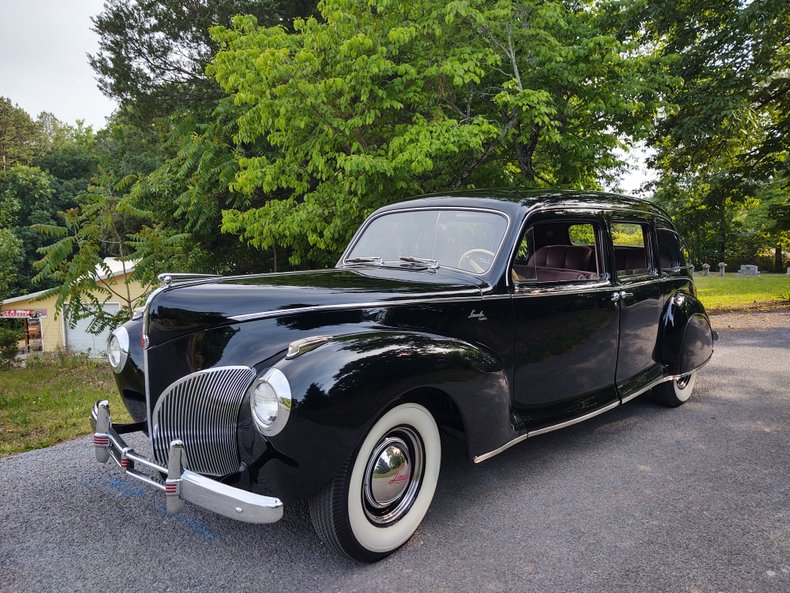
x=473, y=254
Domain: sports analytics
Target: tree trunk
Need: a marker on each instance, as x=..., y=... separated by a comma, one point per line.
x=524, y=154
x=778, y=260
x=723, y=232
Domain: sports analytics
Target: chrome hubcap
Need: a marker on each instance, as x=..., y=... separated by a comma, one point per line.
x=683, y=382
x=393, y=475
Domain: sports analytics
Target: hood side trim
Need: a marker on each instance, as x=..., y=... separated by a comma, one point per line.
x=431, y=298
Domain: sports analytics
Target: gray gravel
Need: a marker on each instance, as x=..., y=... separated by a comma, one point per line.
x=642, y=499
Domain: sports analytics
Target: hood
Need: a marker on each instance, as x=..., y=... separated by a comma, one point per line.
x=189, y=307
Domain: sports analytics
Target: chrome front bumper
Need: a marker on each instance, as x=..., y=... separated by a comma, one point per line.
x=181, y=484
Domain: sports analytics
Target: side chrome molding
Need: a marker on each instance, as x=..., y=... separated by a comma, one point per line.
x=606, y=408
x=544, y=430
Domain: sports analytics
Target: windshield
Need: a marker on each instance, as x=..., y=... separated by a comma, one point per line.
x=464, y=239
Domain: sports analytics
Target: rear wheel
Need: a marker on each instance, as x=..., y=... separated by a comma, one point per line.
x=380, y=496
x=676, y=392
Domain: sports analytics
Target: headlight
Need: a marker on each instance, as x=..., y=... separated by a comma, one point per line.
x=270, y=400
x=118, y=348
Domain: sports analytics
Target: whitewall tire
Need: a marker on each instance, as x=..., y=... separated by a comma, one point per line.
x=676, y=392
x=381, y=495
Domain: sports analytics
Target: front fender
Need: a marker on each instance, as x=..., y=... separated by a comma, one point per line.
x=341, y=388
x=685, y=340
x=131, y=379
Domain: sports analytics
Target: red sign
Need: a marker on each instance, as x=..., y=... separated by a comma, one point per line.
x=17, y=313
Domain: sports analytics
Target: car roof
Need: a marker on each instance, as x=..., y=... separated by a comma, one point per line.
x=513, y=201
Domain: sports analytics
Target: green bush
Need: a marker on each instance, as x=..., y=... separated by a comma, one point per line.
x=63, y=360
x=8, y=346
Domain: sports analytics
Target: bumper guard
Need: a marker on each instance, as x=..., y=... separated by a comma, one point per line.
x=181, y=484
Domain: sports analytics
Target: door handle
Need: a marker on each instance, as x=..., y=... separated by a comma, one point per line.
x=622, y=294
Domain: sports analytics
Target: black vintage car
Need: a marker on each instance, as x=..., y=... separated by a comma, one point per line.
x=496, y=315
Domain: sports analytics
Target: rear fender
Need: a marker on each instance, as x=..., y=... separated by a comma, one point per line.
x=685, y=340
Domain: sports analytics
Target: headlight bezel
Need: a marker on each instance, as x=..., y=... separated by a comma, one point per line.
x=278, y=383
x=119, y=336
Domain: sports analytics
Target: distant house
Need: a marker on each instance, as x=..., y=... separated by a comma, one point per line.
x=55, y=333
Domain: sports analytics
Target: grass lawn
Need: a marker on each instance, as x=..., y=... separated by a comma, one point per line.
x=50, y=401
x=729, y=292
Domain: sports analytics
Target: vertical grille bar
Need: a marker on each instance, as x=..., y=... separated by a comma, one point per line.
x=202, y=410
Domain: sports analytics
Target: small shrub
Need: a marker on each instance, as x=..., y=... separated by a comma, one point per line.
x=35, y=360
x=62, y=359
x=8, y=346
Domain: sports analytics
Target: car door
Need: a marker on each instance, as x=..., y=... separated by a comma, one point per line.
x=566, y=323
x=641, y=299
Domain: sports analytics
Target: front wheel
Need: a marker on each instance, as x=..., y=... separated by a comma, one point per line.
x=380, y=496
x=676, y=392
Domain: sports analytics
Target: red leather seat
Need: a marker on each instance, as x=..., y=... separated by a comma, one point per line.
x=568, y=257
x=630, y=258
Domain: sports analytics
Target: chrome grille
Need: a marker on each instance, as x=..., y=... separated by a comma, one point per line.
x=202, y=410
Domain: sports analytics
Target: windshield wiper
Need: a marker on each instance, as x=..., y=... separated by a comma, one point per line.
x=364, y=259
x=431, y=263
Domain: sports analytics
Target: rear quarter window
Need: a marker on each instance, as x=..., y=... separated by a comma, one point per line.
x=630, y=253
x=670, y=250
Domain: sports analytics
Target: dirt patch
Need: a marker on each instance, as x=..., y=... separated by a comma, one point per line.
x=757, y=317
x=755, y=307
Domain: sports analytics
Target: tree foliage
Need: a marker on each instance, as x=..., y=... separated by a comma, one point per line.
x=153, y=53
x=21, y=138
x=9, y=337
x=59, y=159
x=380, y=100
x=26, y=196
x=188, y=192
x=723, y=150
x=97, y=228
x=11, y=249
x=177, y=123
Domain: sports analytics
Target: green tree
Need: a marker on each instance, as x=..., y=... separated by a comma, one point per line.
x=11, y=248
x=37, y=193
x=723, y=149
x=21, y=138
x=188, y=192
x=175, y=127
x=26, y=194
x=153, y=53
x=100, y=226
x=380, y=100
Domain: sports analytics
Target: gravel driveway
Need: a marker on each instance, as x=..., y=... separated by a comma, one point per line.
x=641, y=499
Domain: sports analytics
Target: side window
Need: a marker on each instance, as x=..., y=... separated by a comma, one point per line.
x=630, y=242
x=582, y=234
x=670, y=251
x=558, y=251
